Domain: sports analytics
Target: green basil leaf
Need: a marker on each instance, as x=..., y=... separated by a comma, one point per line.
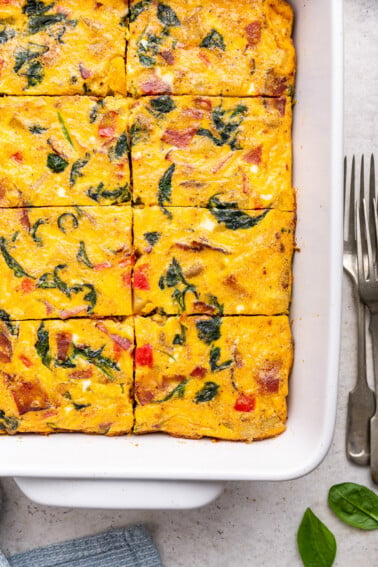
x=316, y=543
x=56, y=163
x=213, y=39
x=231, y=216
x=209, y=330
x=165, y=188
x=355, y=505
x=12, y=264
x=207, y=393
x=167, y=16
x=42, y=345
x=162, y=104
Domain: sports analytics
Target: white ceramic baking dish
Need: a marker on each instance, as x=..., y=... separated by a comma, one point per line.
x=316, y=322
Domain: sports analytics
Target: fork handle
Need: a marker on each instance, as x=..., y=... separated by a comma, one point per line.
x=374, y=419
x=361, y=401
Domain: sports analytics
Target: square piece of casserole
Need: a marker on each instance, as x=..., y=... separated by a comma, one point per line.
x=58, y=151
x=217, y=260
x=215, y=377
x=72, y=375
x=238, y=147
x=62, y=48
x=65, y=262
x=241, y=48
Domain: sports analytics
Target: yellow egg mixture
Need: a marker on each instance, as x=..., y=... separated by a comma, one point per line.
x=146, y=240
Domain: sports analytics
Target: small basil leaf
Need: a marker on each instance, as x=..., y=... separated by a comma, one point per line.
x=152, y=237
x=207, y=393
x=165, y=188
x=316, y=543
x=208, y=330
x=162, y=104
x=355, y=505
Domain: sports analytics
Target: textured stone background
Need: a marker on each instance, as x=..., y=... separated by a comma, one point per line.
x=251, y=523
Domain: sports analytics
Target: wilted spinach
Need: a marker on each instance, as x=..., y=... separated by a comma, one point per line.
x=178, y=392
x=215, y=354
x=138, y=133
x=174, y=278
x=226, y=123
x=93, y=115
x=207, y=393
x=209, y=330
x=62, y=221
x=8, y=423
x=116, y=196
x=12, y=264
x=6, y=34
x=52, y=280
x=180, y=338
x=4, y=316
x=33, y=231
x=162, y=104
x=95, y=357
x=152, y=237
x=165, y=189
x=137, y=9
x=167, y=16
x=37, y=129
x=82, y=255
x=76, y=168
x=213, y=39
x=148, y=46
x=56, y=163
x=231, y=216
x=42, y=345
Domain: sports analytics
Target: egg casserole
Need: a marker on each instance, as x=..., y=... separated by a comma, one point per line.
x=209, y=376
x=199, y=47
x=72, y=375
x=218, y=260
x=62, y=48
x=65, y=262
x=63, y=151
x=239, y=147
x=147, y=217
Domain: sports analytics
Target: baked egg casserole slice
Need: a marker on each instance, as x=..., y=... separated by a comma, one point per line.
x=192, y=147
x=239, y=48
x=58, y=151
x=215, y=377
x=62, y=48
x=218, y=260
x=65, y=262
x=66, y=376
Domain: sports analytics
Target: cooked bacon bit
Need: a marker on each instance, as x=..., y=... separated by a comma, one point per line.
x=141, y=277
x=245, y=187
x=63, y=342
x=204, y=58
x=1, y=65
x=27, y=285
x=127, y=261
x=84, y=72
x=18, y=157
x=6, y=350
x=204, y=103
x=245, y=403
x=123, y=342
x=98, y=5
x=25, y=360
x=280, y=105
x=154, y=85
x=167, y=56
x=49, y=307
x=254, y=155
x=193, y=113
x=67, y=313
x=143, y=395
x=202, y=307
x=222, y=163
x=126, y=279
x=268, y=377
x=81, y=374
x=253, y=31
x=24, y=220
x=179, y=138
x=103, y=266
x=106, y=131
x=117, y=351
x=29, y=396
x=198, y=246
x=275, y=85
x=144, y=356
x=199, y=372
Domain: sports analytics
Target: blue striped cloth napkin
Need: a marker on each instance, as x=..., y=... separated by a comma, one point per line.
x=130, y=547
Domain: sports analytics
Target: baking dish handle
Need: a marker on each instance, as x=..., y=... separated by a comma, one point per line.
x=120, y=494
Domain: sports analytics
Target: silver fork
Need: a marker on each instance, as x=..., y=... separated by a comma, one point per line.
x=361, y=401
x=367, y=271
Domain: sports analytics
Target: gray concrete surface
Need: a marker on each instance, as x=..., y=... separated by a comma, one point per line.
x=251, y=524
